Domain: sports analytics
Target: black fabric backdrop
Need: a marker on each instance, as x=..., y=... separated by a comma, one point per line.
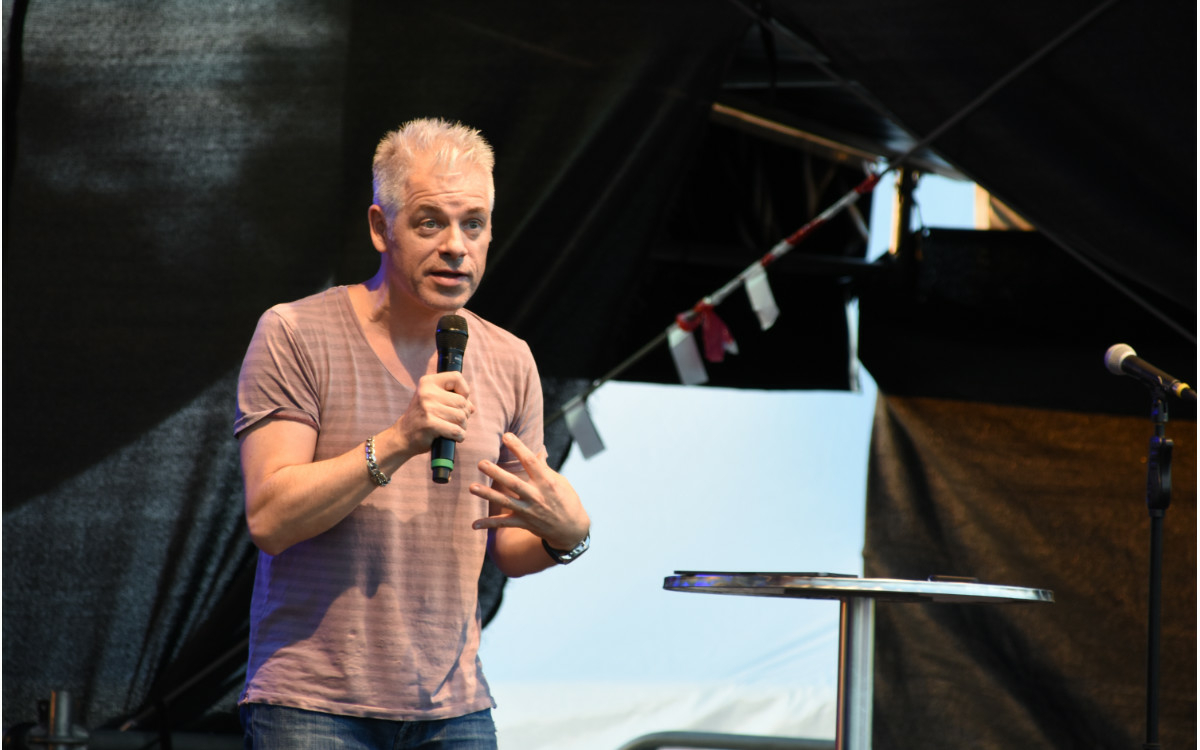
x=1039, y=498
x=1003, y=450
x=173, y=168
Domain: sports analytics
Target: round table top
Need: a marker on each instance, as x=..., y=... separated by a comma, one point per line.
x=831, y=586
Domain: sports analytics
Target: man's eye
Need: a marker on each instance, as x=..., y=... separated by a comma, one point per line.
x=474, y=225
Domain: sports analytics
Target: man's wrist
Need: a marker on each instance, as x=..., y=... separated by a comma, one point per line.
x=564, y=556
x=373, y=470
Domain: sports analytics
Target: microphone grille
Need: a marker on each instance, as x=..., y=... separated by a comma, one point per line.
x=1115, y=355
x=452, y=332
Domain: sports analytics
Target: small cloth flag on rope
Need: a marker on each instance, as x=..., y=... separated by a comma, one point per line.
x=686, y=355
x=718, y=342
x=583, y=430
x=762, y=301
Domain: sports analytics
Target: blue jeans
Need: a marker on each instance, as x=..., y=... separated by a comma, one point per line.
x=283, y=728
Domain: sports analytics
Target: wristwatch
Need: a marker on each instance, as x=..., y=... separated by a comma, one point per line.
x=563, y=557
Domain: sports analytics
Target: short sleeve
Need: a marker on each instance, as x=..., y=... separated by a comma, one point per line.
x=527, y=422
x=277, y=378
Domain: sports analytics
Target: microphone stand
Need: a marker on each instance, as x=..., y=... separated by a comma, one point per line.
x=1158, y=497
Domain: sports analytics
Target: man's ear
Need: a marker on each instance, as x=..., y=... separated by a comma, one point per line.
x=379, y=228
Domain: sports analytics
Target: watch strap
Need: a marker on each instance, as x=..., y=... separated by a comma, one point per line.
x=562, y=557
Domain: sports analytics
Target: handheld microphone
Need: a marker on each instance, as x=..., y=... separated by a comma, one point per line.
x=1121, y=359
x=451, y=345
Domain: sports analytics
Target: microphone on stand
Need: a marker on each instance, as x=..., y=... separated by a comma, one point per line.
x=451, y=344
x=1121, y=359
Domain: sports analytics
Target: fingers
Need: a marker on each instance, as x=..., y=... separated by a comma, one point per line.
x=446, y=396
x=449, y=420
x=534, y=463
x=509, y=501
x=447, y=381
x=440, y=407
x=506, y=486
x=498, y=522
x=542, y=501
x=538, y=474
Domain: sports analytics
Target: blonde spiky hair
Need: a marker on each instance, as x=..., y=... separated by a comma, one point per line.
x=449, y=144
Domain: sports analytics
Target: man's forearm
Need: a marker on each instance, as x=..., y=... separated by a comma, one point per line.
x=517, y=552
x=290, y=498
x=299, y=502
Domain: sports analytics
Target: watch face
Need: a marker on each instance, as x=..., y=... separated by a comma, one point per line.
x=565, y=557
x=580, y=548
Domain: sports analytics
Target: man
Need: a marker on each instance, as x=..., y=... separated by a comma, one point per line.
x=365, y=623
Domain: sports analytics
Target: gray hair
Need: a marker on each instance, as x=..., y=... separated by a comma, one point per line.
x=448, y=143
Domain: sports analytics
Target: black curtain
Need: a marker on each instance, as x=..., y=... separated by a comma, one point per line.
x=172, y=171
x=1038, y=498
x=1004, y=450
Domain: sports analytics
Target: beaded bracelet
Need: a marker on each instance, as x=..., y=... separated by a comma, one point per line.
x=372, y=467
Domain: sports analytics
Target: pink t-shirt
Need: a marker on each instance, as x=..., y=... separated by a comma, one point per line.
x=378, y=616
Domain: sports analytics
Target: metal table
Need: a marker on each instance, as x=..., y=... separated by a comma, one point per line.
x=856, y=651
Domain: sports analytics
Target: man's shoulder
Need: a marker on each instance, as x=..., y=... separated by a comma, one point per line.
x=314, y=307
x=498, y=344
x=481, y=328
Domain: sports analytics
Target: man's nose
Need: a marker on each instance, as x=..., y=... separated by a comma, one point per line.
x=454, y=242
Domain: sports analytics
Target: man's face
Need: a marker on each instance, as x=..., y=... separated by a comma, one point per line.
x=437, y=246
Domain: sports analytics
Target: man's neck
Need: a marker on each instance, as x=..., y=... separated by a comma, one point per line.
x=408, y=324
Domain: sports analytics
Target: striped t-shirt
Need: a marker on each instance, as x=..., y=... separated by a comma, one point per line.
x=379, y=615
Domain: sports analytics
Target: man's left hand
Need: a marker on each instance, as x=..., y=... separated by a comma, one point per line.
x=543, y=502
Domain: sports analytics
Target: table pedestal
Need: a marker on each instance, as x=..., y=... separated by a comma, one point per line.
x=856, y=672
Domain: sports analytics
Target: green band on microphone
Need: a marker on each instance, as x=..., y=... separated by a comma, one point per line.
x=444, y=463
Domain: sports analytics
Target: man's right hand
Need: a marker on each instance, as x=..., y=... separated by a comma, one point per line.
x=440, y=407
